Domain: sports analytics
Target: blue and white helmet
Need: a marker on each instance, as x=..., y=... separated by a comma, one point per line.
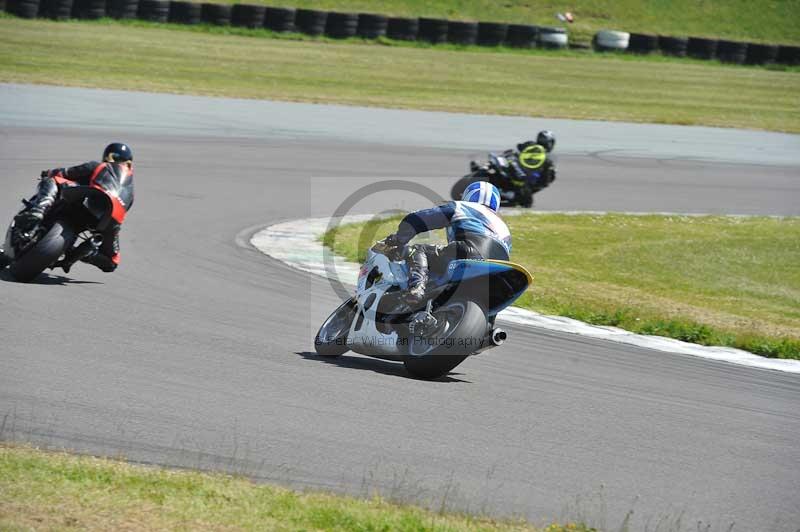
x=484, y=193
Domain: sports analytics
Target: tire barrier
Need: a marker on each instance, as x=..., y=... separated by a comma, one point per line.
x=433, y=30
x=642, y=43
x=552, y=38
x=279, y=18
x=402, y=29
x=491, y=33
x=371, y=26
x=217, y=14
x=123, y=8
x=761, y=54
x=56, y=9
x=789, y=55
x=701, y=48
x=89, y=9
x=310, y=21
x=248, y=15
x=154, y=10
x=732, y=52
x=23, y=8
x=521, y=35
x=459, y=32
x=184, y=12
x=609, y=40
x=675, y=46
x=341, y=25
x=374, y=26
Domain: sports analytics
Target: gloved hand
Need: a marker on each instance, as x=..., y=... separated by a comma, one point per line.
x=394, y=247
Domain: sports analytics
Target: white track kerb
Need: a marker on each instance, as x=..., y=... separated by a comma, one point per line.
x=297, y=244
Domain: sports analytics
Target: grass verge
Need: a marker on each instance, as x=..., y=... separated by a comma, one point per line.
x=57, y=491
x=229, y=62
x=710, y=280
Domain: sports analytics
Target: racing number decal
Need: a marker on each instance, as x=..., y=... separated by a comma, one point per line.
x=532, y=157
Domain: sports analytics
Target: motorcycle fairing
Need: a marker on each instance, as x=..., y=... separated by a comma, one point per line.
x=494, y=283
x=377, y=277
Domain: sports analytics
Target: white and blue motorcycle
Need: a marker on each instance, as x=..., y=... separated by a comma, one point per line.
x=463, y=301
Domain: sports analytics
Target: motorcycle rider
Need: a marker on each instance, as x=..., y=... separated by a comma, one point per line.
x=532, y=167
x=474, y=231
x=117, y=164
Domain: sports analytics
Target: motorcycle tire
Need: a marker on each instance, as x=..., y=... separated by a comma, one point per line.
x=331, y=339
x=464, y=336
x=47, y=250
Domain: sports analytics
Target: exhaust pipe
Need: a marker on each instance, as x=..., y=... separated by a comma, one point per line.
x=499, y=336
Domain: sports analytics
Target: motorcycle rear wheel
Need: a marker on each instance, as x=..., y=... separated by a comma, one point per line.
x=46, y=251
x=331, y=339
x=464, y=332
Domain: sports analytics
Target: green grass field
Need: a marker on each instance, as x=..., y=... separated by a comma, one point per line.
x=56, y=491
x=538, y=83
x=710, y=280
x=774, y=21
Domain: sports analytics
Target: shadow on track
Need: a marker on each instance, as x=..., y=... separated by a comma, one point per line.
x=45, y=279
x=384, y=367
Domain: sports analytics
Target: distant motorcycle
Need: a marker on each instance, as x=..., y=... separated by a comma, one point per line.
x=71, y=230
x=464, y=302
x=517, y=185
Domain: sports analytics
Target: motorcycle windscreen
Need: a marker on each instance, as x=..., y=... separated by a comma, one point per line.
x=494, y=283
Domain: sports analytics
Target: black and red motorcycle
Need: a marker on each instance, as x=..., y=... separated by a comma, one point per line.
x=70, y=231
x=517, y=175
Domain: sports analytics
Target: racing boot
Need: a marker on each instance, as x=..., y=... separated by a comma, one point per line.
x=84, y=252
x=417, y=276
x=35, y=208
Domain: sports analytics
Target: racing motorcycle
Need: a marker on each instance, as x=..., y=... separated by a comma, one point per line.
x=463, y=302
x=71, y=230
x=498, y=171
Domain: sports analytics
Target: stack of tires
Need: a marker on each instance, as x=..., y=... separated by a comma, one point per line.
x=492, y=33
x=372, y=26
x=216, y=14
x=123, y=8
x=521, y=35
x=433, y=30
x=551, y=37
x=789, y=55
x=23, y=8
x=732, y=51
x=310, y=21
x=642, y=43
x=341, y=25
x=248, y=15
x=462, y=32
x=675, y=46
x=56, y=9
x=402, y=29
x=181, y=12
x=611, y=41
x=154, y=10
x=89, y=9
x=279, y=18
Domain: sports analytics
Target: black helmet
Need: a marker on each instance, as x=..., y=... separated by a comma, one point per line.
x=117, y=152
x=546, y=139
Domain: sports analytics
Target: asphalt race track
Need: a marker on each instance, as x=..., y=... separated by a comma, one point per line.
x=197, y=352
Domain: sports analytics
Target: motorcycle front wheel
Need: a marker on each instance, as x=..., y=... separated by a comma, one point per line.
x=331, y=339
x=44, y=253
x=460, y=332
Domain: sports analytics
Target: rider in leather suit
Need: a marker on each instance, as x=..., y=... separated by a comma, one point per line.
x=474, y=231
x=117, y=161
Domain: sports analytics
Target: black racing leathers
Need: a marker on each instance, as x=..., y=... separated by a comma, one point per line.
x=109, y=177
